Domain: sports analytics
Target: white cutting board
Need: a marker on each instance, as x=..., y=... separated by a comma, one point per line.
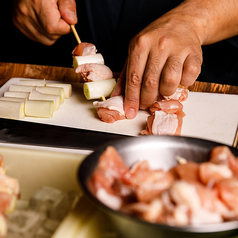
x=208, y=115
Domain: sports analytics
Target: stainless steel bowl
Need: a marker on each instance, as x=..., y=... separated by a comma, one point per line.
x=161, y=152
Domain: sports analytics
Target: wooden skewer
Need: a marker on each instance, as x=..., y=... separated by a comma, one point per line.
x=236, y=139
x=75, y=34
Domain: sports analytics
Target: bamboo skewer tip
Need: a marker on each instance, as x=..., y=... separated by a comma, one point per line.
x=75, y=34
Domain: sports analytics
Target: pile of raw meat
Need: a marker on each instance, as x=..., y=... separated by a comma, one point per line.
x=9, y=193
x=187, y=194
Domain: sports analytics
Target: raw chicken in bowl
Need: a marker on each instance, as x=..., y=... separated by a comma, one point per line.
x=189, y=199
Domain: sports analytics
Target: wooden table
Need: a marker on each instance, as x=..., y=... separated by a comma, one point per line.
x=10, y=70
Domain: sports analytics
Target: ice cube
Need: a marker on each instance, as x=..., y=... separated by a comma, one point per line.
x=24, y=222
x=50, y=201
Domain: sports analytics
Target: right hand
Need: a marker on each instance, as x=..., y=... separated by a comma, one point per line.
x=44, y=21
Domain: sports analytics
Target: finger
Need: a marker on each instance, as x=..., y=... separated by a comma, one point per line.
x=32, y=31
x=151, y=78
x=191, y=69
x=120, y=86
x=50, y=20
x=134, y=75
x=171, y=75
x=67, y=9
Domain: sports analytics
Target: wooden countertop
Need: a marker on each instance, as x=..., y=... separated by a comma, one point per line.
x=10, y=70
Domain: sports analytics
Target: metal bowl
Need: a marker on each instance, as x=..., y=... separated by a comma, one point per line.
x=161, y=152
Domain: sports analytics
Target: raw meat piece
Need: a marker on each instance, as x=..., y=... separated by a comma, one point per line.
x=84, y=48
x=180, y=94
x=187, y=172
x=161, y=123
x=110, y=110
x=171, y=106
x=228, y=192
x=220, y=155
x=5, y=202
x=152, y=185
x=110, y=167
x=223, y=155
x=212, y=173
x=93, y=72
x=9, y=185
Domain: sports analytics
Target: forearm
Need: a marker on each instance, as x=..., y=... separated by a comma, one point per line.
x=213, y=20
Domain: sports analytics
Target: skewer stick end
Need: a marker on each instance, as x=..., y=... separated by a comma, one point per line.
x=75, y=34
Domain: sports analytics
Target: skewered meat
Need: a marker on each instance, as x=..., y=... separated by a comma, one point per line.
x=93, y=72
x=84, y=48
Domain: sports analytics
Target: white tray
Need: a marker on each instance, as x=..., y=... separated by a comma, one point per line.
x=208, y=115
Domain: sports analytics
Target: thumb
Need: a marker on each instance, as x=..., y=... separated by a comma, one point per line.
x=67, y=9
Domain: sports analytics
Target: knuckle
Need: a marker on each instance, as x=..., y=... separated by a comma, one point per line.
x=151, y=83
x=140, y=42
x=170, y=81
x=134, y=80
x=50, y=29
x=163, y=42
x=193, y=70
x=132, y=100
x=22, y=9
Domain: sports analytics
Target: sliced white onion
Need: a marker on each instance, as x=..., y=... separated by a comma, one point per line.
x=17, y=94
x=32, y=82
x=39, y=108
x=66, y=86
x=35, y=95
x=12, y=110
x=99, y=89
x=53, y=91
x=20, y=88
x=12, y=99
x=86, y=59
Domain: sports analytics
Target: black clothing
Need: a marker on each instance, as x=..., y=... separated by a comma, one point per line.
x=110, y=25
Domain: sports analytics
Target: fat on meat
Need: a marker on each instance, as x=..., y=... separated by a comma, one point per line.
x=228, y=192
x=110, y=110
x=94, y=72
x=181, y=94
x=84, y=48
x=223, y=155
x=9, y=185
x=213, y=173
x=171, y=106
x=149, y=183
x=108, y=179
x=161, y=123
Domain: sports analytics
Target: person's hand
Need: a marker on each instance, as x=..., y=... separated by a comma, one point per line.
x=162, y=56
x=44, y=21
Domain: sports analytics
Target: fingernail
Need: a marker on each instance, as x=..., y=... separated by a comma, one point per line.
x=130, y=113
x=72, y=15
